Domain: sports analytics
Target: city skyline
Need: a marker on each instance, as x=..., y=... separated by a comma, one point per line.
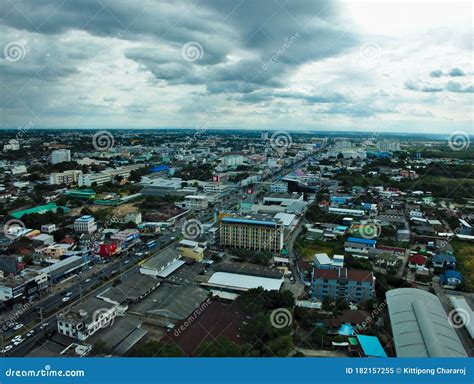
x=299, y=65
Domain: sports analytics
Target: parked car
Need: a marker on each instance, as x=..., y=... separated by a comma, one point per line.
x=18, y=326
x=30, y=333
x=87, y=280
x=66, y=299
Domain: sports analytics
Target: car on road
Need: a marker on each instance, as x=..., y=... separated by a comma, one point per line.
x=66, y=299
x=18, y=326
x=30, y=333
x=68, y=294
x=44, y=325
x=127, y=261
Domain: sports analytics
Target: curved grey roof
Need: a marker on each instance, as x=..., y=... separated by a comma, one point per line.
x=420, y=325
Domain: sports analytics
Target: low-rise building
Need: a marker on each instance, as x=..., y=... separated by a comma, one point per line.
x=191, y=249
x=196, y=202
x=86, y=318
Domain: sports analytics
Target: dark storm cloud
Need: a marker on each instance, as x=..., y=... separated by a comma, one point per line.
x=268, y=39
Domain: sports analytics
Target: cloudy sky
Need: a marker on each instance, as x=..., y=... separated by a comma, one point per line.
x=284, y=64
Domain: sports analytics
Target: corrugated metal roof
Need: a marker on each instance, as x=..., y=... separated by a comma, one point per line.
x=420, y=325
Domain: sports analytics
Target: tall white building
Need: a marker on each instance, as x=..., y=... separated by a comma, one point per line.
x=60, y=156
x=85, y=224
x=388, y=145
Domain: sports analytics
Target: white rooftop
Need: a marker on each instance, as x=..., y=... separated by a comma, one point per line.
x=244, y=282
x=322, y=258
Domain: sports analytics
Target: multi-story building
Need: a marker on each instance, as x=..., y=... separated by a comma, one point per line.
x=85, y=224
x=191, y=249
x=68, y=177
x=60, y=156
x=388, y=145
x=279, y=187
x=217, y=187
x=85, y=319
x=349, y=284
x=126, y=238
x=251, y=233
x=196, y=202
x=99, y=178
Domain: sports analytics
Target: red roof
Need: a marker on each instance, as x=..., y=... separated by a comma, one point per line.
x=343, y=274
x=417, y=259
x=67, y=240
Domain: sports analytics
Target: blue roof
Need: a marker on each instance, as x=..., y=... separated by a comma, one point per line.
x=248, y=221
x=159, y=168
x=371, y=346
x=451, y=274
x=444, y=257
x=362, y=241
x=346, y=330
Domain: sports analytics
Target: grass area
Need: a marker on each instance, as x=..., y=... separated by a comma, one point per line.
x=464, y=253
x=307, y=248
